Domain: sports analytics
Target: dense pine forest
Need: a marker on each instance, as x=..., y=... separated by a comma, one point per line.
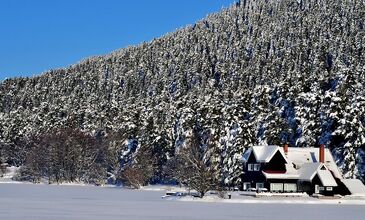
x=259, y=72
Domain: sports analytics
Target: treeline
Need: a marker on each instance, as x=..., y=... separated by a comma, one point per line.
x=70, y=155
x=64, y=155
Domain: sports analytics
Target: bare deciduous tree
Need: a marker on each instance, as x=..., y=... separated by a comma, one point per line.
x=142, y=170
x=191, y=166
x=65, y=155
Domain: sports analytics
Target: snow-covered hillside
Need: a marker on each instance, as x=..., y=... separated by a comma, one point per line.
x=258, y=72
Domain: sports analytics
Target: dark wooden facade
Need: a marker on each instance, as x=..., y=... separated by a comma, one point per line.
x=253, y=177
x=275, y=165
x=261, y=175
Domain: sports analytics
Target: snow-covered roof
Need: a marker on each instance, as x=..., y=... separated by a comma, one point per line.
x=355, y=186
x=246, y=155
x=263, y=154
x=301, y=163
x=290, y=173
x=285, y=176
x=301, y=156
x=308, y=170
x=326, y=178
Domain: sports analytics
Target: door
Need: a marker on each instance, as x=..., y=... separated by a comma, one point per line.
x=316, y=189
x=246, y=186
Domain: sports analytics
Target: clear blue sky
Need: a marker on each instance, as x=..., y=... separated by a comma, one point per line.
x=38, y=35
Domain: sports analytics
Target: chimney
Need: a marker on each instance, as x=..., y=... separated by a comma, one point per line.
x=286, y=149
x=321, y=153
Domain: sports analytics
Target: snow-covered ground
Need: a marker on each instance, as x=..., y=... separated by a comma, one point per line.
x=30, y=201
x=237, y=198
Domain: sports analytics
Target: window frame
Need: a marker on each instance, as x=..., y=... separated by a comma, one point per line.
x=256, y=167
x=260, y=183
x=276, y=187
x=290, y=187
x=250, y=167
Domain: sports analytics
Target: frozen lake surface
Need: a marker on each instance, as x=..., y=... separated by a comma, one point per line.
x=28, y=201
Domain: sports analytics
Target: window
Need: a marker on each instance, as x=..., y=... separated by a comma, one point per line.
x=276, y=187
x=290, y=187
x=257, y=167
x=250, y=167
x=329, y=188
x=317, y=189
x=259, y=185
